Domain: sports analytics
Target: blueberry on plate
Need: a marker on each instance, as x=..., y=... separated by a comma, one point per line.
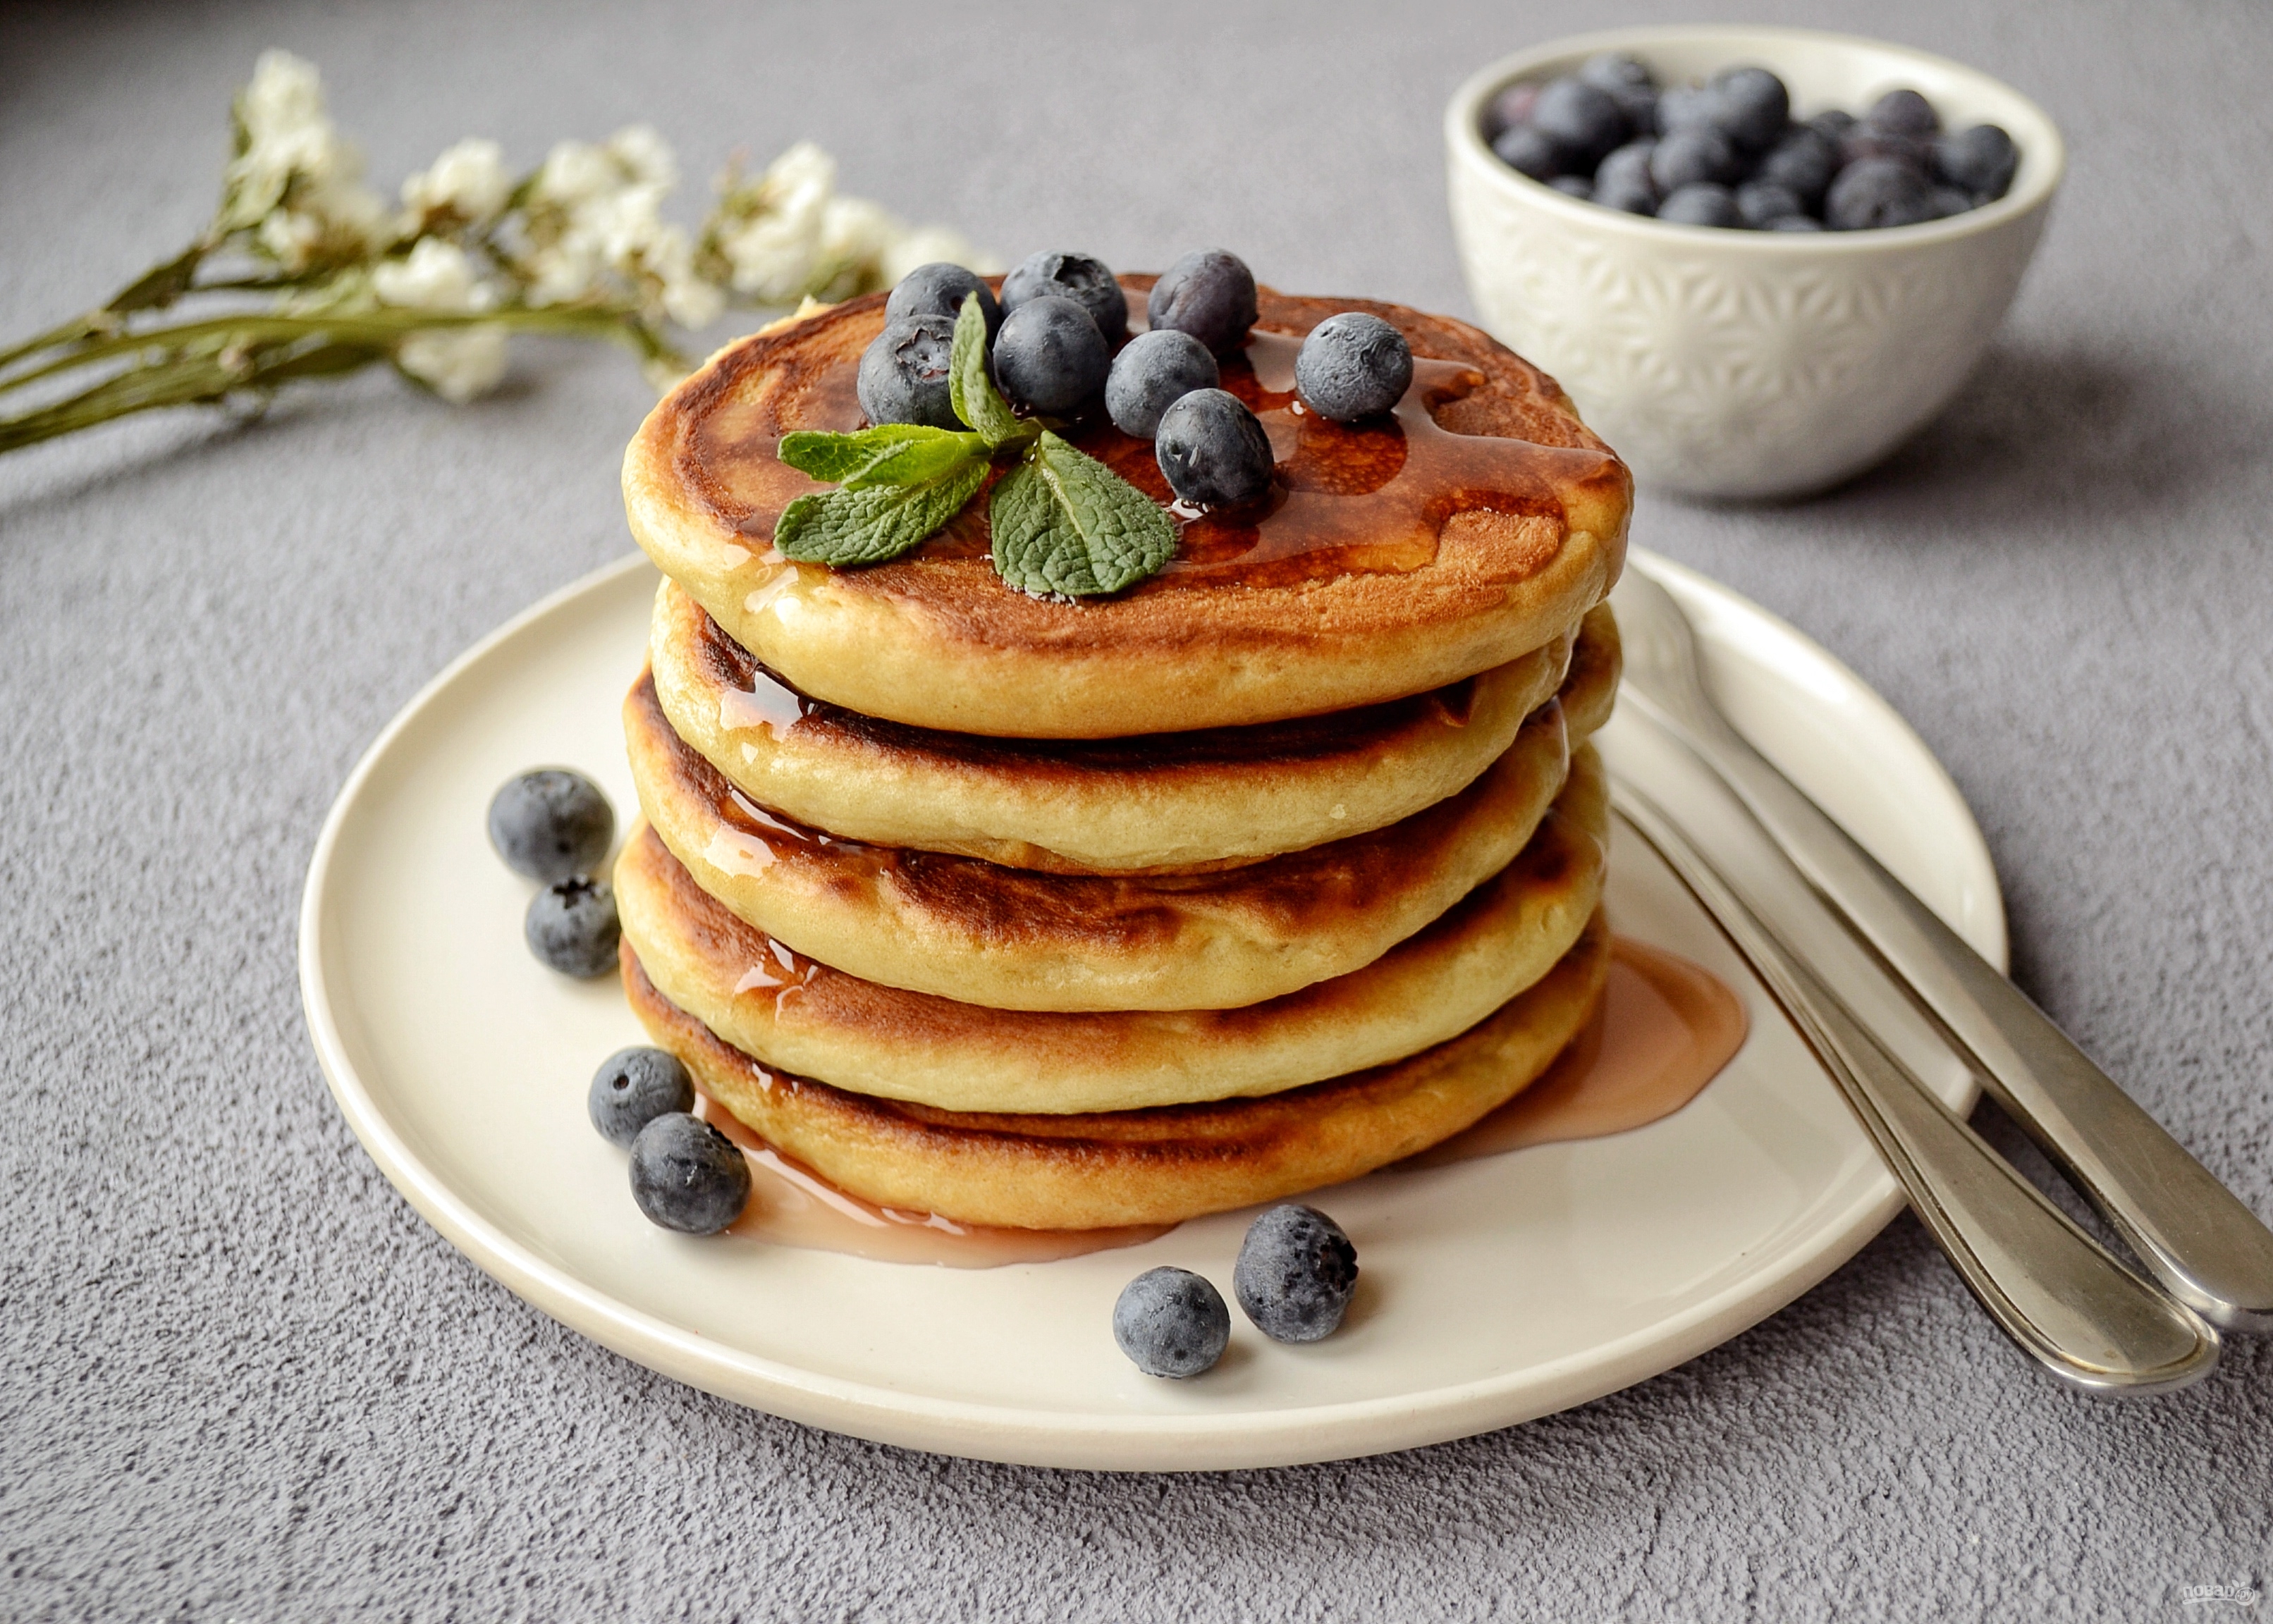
x=687, y=1176
x=1700, y=203
x=1528, y=151
x=1876, y=192
x=1903, y=112
x=1209, y=294
x=1510, y=106
x=1295, y=1273
x=1171, y=1323
x=1687, y=107
x=1804, y=160
x=1049, y=356
x=1584, y=122
x=1621, y=180
x=1626, y=82
x=1573, y=186
x=1752, y=107
x=1834, y=124
x=633, y=1088
x=1152, y=373
x=939, y=290
x=1352, y=366
x=551, y=823
x=1688, y=156
x=1981, y=160
x=1212, y=451
x=1758, y=202
x=903, y=373
x=571, y=926
x=1086, y=281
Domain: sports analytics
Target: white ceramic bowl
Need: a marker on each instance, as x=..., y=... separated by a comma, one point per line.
x=1748, y=363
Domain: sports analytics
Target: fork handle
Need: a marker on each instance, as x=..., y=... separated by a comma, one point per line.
x=2192, y=1232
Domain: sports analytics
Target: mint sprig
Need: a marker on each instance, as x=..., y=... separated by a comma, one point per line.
x=1064, y=524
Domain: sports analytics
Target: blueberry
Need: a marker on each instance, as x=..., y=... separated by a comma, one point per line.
x=1212, y=450
x=1903, y=112
x=1584, y=122
x=1209, y=294
x=1804, y=160
x=1528, y=151
x=1688, y=156
x=1295, y=1272
x=1626, y=82
x=1947, y=200
x=1687, y=106
x=1794, y=222
x=1049, y=356
x=1152, y=373
x=633, y=1088
x=1758, y=202
x=1833, y=125
x=687, y=1176
x=1875, y=192
x=1171, y=1323
x=1621, y=180
x=1863, y=141
x=551, y=823
x=1754, y=106
x=902, y=376
x=571, y=926
x=1573, y=186
x=1509, y=108
x=1353, y=365
x=1070, y=276
x=1700, y=203
x=939, y=290
x=1980, y=160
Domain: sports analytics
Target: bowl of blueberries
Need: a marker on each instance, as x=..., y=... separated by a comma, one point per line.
x=1758, y=259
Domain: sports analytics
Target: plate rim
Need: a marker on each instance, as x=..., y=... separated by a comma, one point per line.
x=1052, y=1438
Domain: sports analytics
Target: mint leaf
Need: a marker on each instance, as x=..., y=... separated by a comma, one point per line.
x=971, y=386
x=1063, y=522
x=890, y=454
x=845, y=528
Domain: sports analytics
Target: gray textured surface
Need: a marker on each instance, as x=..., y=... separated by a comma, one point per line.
x=239, y=1379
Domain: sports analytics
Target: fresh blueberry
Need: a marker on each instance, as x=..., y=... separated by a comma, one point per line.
x=1980, y=160
x=1171, y=1323
x=1510, y=108
x=1867, y=141
x=1753, y=106
x=1804, y=160
x=571, y=926
x=903, y=373
x=1903, y=112
x=1874, y=192
x=1622, y=181
x=633, y=1088
x=1758, y=202
x=1049, y=356
x=1574, y=186
x=1700, y=203
x=1688, y=156
x=1626, y=82
x=1528, y=151
x=1209, y=294
x=1152, y=373
x=939, y=290
x=1833, y=125
x=1212, y=451
x=1687, y=106
x=1794, y=222
x=551, y=823
x=1353, y=365
x=1069, y=276
x=1295, y=1272
x=1947, y=200
x=1584, y=122
x=687, y=1176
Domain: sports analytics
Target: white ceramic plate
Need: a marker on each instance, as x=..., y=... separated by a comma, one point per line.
x=1493, y=1291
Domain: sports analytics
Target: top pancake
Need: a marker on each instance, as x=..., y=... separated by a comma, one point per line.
x=1396, y=556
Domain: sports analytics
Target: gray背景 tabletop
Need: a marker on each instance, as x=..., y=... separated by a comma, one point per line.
x=240, y=1379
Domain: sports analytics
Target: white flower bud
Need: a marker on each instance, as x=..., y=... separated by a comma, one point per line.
x=437, y=275
x=468, y=181
x=458, y=365
x=644, y=157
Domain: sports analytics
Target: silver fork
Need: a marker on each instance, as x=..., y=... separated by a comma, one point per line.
x=2191, y=1232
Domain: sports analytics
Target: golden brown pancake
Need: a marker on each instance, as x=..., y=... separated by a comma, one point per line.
x=1177, y=802
x=1011, y=939
x=1396, y=556
x=1101, y=1170
x=781, y=1007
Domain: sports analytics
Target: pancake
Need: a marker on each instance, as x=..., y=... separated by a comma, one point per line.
x=1101, y=1170
x=781, y=1007
x=1011, y=939
x=1171, y=802
x=1397, y=557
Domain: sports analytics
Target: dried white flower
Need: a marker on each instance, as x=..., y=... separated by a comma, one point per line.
x=294, y=179
x=458, y=363
x=644, y=156
x=771, y=235
x=467, y=183
x=912, y=246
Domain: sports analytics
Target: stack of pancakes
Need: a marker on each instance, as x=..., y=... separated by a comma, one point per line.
x=1284, y=864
